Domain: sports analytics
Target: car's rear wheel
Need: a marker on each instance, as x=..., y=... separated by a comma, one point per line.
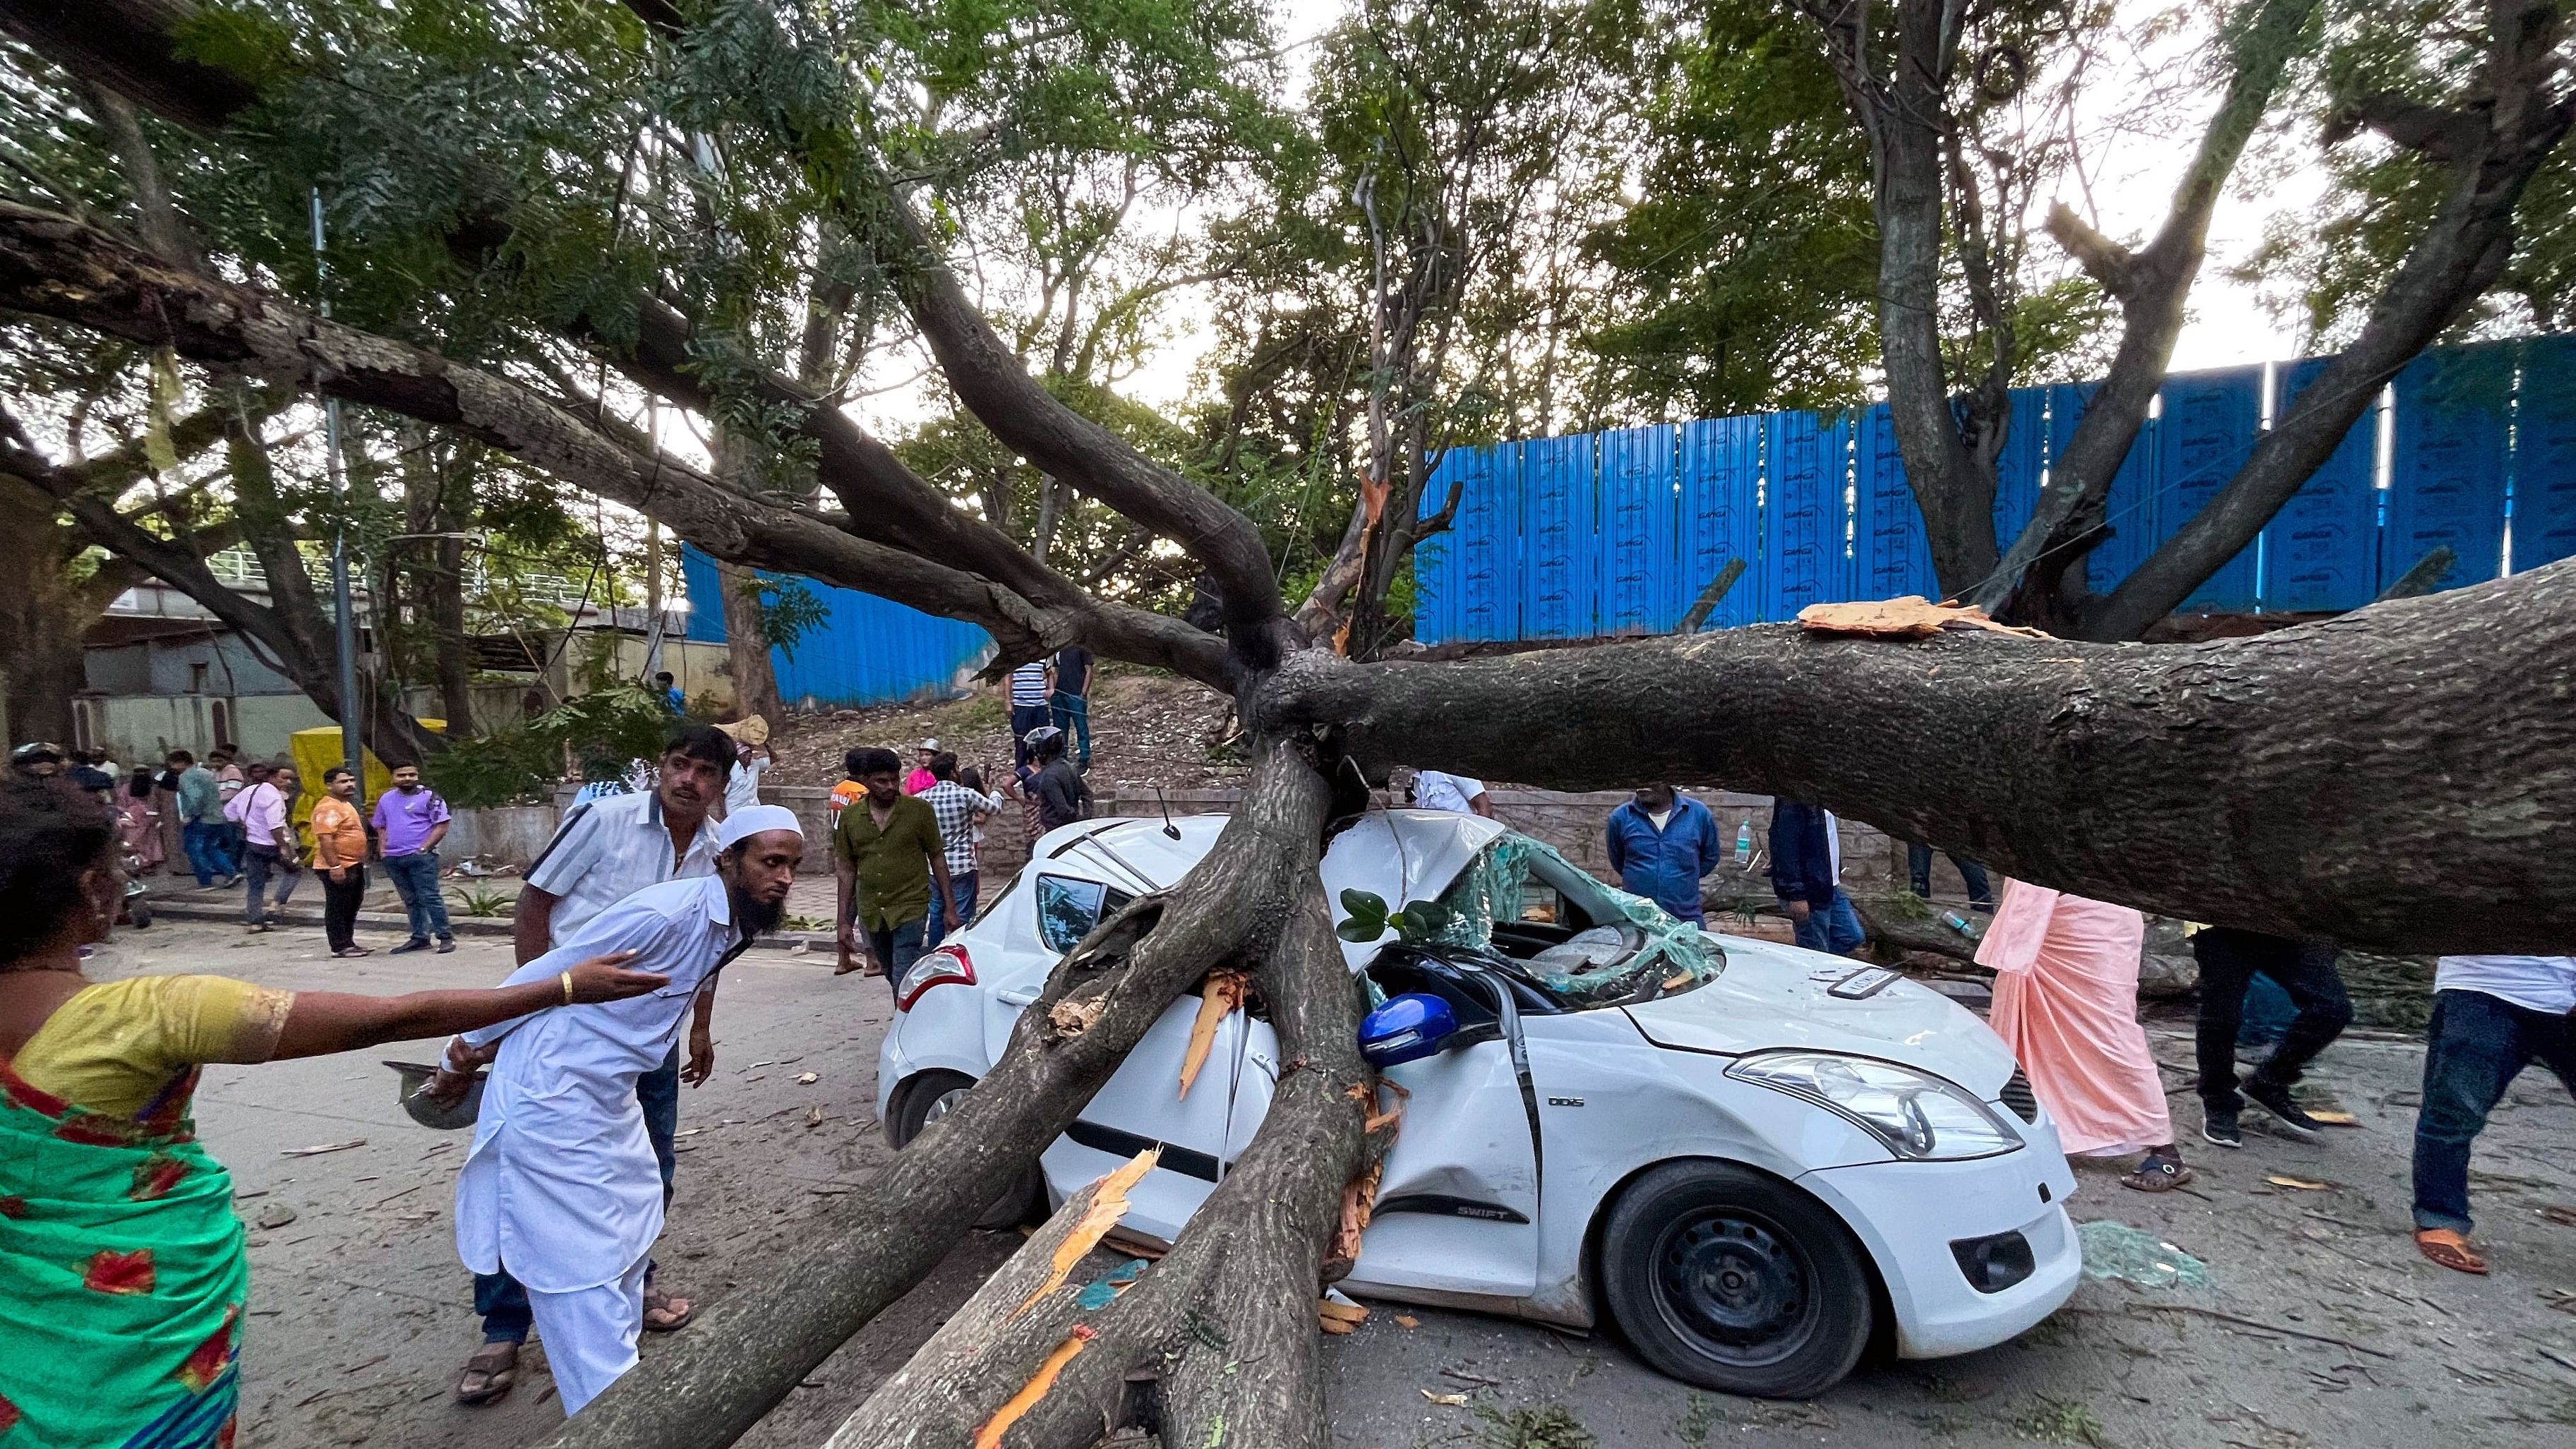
x=933, y=1095
x=1735, y=1281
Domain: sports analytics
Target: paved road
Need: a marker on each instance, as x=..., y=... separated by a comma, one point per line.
x=361, y=1312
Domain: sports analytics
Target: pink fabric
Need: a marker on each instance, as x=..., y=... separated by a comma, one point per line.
x=140, y=824
x=2066, y=1002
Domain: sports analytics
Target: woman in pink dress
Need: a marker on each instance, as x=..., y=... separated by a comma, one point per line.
x=2066, y=1002
x=138, y=822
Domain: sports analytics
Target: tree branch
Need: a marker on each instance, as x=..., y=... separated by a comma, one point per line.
x=2157, y=282
x=2456, y=260
x=54, y=267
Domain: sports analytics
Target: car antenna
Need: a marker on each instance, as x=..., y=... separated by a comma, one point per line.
x=1169, y=828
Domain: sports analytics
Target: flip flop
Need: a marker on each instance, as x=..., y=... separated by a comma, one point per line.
x=2449, y=1249
x=2159, y=1173
x=676, y=1312
x=496, y=1366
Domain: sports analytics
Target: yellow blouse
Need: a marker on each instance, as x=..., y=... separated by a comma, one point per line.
x=117, y=1047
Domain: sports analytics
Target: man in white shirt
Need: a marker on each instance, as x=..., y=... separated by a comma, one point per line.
x=261, y=812
x=561, y=1186
x=751, y=758
x=2492, y=1016
x=1458, y=794
x=606, y=850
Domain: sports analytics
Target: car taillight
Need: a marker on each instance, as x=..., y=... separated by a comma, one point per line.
x=935, y=968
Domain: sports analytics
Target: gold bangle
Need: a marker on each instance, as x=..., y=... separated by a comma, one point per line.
x=567, y=983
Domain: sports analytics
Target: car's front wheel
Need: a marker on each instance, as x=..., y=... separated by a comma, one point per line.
x=1735, y=1281
x=933, y=1095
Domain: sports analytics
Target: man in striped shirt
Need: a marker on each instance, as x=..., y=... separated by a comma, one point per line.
x=1029, y=690
x=606, y=850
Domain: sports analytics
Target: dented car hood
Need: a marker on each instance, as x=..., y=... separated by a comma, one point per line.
x=1772, y=997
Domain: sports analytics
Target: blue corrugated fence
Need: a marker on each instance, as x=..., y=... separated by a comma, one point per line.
x=1616, y=533
x=868, y=650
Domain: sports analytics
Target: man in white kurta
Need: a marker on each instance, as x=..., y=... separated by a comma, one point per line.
x=561, y=1184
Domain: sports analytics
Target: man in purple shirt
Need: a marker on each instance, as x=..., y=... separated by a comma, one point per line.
x=410, y=820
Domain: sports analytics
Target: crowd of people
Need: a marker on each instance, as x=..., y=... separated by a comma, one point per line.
x=115, y=1221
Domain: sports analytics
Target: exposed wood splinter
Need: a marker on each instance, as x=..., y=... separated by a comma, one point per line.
x=1339, y=1318
x=1908, y=616
x=1218, y=998
x=990, y=1436
x=1358, y=1197
x=1108, y=1205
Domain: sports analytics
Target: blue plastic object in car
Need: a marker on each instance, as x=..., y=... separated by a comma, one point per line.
x=1407, y=1028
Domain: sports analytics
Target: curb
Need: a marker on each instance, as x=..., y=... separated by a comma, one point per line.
x=298, y=914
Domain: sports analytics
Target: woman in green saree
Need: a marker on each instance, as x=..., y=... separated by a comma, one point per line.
x=123, y=1270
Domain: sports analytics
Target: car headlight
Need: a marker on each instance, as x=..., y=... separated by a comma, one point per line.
x=1918, y=1115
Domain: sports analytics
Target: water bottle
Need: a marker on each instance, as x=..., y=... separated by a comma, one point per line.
x=1744, y=843
x=1961, y=924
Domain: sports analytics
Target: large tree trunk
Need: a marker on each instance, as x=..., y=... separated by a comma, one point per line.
x=755, y=683
x=1238, y=1289
x=44, y=615
x=2310, y=781
x=722, y=1376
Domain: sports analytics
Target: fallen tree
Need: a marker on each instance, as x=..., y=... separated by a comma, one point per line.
x=2397, y=778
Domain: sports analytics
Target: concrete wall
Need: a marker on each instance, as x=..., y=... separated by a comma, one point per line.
x=218, y=664
x=145, y=728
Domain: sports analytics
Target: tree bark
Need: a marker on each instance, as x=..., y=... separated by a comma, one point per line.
x=730, y=1369
x=2401, y=778
x=755, y=683
x=1238, y=1288
x=45, y=615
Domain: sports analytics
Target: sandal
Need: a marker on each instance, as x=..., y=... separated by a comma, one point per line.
x=354, y=951
x=675, y=1313
x=2449, y=1249
x=488, y=1374
x=2159, y=1173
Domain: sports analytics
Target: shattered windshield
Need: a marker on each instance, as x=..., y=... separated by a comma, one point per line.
x=1577, y=938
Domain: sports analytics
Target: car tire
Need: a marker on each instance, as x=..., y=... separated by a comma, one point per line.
x=926, y=1098
x=1733, y=1280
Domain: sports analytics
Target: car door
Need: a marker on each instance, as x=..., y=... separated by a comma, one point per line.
x=1458, y=1203
x=1141, y=1105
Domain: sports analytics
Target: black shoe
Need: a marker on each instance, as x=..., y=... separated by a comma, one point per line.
x=416, y=943
x=2285, y=1113
x=446, y=944
x=2218, y=1129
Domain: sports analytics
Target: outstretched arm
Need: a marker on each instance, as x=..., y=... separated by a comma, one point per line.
x=322, y=1022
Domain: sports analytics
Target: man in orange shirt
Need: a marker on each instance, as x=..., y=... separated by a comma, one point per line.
x=340, y=856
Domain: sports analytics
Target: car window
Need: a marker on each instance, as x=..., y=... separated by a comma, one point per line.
x=1068, y=908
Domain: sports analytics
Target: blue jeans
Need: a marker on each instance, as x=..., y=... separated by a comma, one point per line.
x=1834, y=928
x=940, y=925
x=898, y=946
x=259, y=862
x=206, y=846
x=1024, y=718
x=2476, y=1045
x=1073, y=716
x=498, y=1296
x=1918, y=870
x=415, y=878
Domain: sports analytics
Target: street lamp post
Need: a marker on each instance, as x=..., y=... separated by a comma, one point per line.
x=344, y=621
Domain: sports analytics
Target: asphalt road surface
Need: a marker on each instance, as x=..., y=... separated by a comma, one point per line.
x=2320, y=1325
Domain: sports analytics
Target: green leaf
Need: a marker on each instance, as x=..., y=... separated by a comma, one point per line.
x=1360, y=932
x=1367, y=917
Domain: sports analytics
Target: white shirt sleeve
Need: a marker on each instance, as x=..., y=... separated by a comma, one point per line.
x=570, y=855
x=642, y=930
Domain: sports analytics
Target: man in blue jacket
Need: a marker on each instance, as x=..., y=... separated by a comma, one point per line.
x=1661, y=844
x=1807, y=875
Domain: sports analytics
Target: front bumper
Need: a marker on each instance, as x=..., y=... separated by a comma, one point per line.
x=1907, y=1214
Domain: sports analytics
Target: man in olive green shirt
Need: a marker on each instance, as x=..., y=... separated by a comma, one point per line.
x=886, y=854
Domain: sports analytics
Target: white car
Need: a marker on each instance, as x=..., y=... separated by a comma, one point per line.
x=1754, y=1160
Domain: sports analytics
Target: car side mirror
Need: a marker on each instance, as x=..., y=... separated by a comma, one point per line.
x=1407, y=1028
